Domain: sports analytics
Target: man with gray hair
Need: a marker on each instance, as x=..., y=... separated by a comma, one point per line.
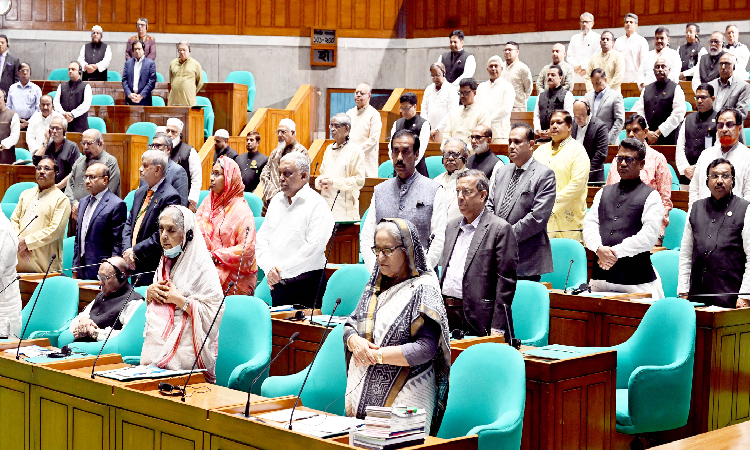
x=286, y=133
x=185, y=76
x=662, y=103
x=582, y=47
x=149, y=43
x=95, y=57
x=730, y=89
x=290, y=245
x=140, y=235
x=366, y=127
x=707, y=68
x=738, y=49
x=175, y=174
x=497, y=96
x=455, y=154
x=342, y=172
x=186, y=156
x=558, y=59
x=633, y=48
x=661, y=50
x=93, y=152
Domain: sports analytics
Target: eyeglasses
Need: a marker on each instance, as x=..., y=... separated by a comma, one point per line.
x=157, y=146
x=87, y=143
x=724, y=176
x=720, y=125
x=626, y=159
x=407, y=108
x=336, y=126
x=466, y=192
x=45, y=169
x=92, y=177
x=702, y=97
x=55, y=128
x=452, y=155
x=103, y=278
x=477, y=137
x=386, y=251
x=215, y=174
x=714, y=41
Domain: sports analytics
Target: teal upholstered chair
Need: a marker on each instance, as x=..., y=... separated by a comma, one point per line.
x=13, y=192
x=655, y=370
x=67, y=261
x=113, y=75
x=361, y=224
x=326, y=384
x=530, y=309
x=58, y=75
x=256, y=204
x=159, y=77
x=667, y=264
x=205, y=76
x=347, y=283
x=504, y=159
x=623, y=134
x=747, y=134
x=52, y=94
x=675, y=178
x=97, y=123
x=147, y=129
x=102, y=99
x=675, y=229
x=246, y=78
x=23, y=155
x=157, y=101
x=8, y=208
x=129, y=200
x=496, y=415
x=202, y=196
x=434, y=166
x=606, y=170
x=385, y=170
x=629, y=102
x=208, y=115
x=688, y=106
x=563, y=251
x=263, y=291
x=246, y=335
x=258, y=222
x=55, y=308
x=531, y=103
x=261, y=275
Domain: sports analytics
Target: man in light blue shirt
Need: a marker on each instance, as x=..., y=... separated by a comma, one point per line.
x=24, y=96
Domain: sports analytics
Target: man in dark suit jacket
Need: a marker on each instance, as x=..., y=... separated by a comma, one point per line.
x=606, y=105
x=730, y=91
x=140, y=236
x=10, y=65
x=479, y=262
x=528, y=205
x=593, y=136
x=146, y=77
x=99, y=225
x=175, y=175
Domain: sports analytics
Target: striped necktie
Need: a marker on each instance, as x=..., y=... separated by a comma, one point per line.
x=509, y=194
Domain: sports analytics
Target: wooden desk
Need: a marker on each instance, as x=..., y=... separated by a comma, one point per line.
x=10, y=174
x=345, y=244
x=111, y=88
x=366, y=193
x=229, y=101
x=721, y=385
x=727, y=438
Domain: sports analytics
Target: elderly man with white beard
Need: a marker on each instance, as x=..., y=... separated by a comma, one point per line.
x=286, y=135
x=481, y=157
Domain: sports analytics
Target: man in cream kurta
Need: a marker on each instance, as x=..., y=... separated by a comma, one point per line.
x=519, y=76
x=40, y=221
x=185, y=76
x=342, y=173
x=608, y=59
x=455, y=153
x=570, y=162
x=497, y=96
x=633, y=48
x=366, y=126
x=463, y=120
x=582, y=46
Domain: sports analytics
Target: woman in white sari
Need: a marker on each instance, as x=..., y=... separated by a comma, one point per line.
x=183, y=299
x=396, y=341
x=10, y=299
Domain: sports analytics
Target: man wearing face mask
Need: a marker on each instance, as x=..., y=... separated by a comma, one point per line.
x=95, y=57
x=103, y=314
x=185, y=155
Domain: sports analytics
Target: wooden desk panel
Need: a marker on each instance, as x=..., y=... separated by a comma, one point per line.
x=229, y=101
x=10, y=174
x=345, y=245
x=111, y=88
x=727, y=438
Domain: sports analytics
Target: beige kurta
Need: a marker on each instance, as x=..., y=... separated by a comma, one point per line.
x=345, y=166
x=449, y=181
x=519, y=75
x=44, y=236
x=269, y=178
x=614, y=67
x=463, y=120
x=186, y=80
x=497, y=97
x=365, y=132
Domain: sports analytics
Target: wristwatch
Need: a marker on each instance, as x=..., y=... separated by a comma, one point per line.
x=186, y=305
x=380, y=356
x=96, y=334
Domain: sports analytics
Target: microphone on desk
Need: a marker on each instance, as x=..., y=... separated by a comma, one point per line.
x=291, y=339
x=320, y=344
x=515, y=343
x=132, y=289
x=231, y=283
x=320, y=284
x=18, y=277
x=20, y=338
x=316, y=167
x=242, y=257
x=563, y=231
x=27, y=225
x=568, y=275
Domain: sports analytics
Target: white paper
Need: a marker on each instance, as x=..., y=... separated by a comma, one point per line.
x=322, y=319
x=326, y=425
x=134, y=372
x=283, y=415
x=32, y=351
x=282, y=308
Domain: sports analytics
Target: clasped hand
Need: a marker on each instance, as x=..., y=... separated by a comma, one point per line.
x=363, y=351
x=162, y=292
x=86, y=327
x=607, y=257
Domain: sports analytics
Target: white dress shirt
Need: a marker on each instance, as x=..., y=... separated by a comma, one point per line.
x=125, y=317
x=470, y=66
x=35, y=132
x=365, y=132
x=448, y=181
x=15, y=132
x=497, y=97
x=581, y=48
x=738, y=155
x=79, y=110
x=437, y=227
x=646, y=71
x=437, y=104
x=424, y=139
x=90, y=208
x=633, y=49
x=678, y=111
x=567, y=106
x=454, y=272
x=294, y=236
x=680, y=157
x=137, y=73
x=742, y=53
x=196, y=175
x=102, y=65
x=686, y=258
x=463, y=120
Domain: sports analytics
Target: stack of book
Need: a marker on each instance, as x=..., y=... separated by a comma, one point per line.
x=391, y=428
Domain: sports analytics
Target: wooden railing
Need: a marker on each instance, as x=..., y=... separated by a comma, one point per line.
x=316, y=150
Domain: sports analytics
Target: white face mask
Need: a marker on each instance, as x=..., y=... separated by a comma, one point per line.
x=173, y=252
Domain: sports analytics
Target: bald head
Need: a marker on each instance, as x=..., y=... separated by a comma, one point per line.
x=108, y=275
x=481, y=137
x=661, y=69
x=558, y=53
x=362, y=95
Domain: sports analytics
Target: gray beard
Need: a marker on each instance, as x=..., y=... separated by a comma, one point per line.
x=480, y=149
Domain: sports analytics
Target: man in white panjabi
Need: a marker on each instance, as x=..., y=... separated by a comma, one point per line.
x=366, y=127
x=497, y=96
x=10, y=299
x=582, y=46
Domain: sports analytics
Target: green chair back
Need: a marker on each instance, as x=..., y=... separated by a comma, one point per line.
x=67, y=261
x=157, y=101
x=113, y=75
x=258, y=222
x=208, y=115
x=623, y=134
x=97, y=123
x=675, y=178
x=530, y=309
x=563, y=251
x=202, y=196
x=147, y=129
x=675, y=229
x=667, y=264
x=256, y=204
x=13, y=193
x=362, y=223
x=531, y=103
x=261, y=275
x=629, y=102
x=246, y=78
x=22, y=153
x=347, y=283
x=496, y=415
x=159, y=77
x=102, y=99
x=606, y=170
x=58, y=75
x=435, y=166
x=326, y=384
x=205, y=76
x=8, y=208
x=504, y=159
x=747, y=135
x=385, y=170
x=57, y=304
x=688, y=106
x=52, y=94
x=263, y=291
x=129, y=200
x=246, y=330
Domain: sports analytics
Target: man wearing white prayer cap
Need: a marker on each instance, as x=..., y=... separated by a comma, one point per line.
x=221, y=145
x=95, y=57
x=286, y=134
x=187, y=157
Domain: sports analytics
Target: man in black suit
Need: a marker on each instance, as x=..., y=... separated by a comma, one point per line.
x=99, y=225
x=593, y=134
x=251, y=163
x=9, y=65
x=479, y=262
x=140, y=236
x=527, y=203
x=175, y=174
x=138, y=85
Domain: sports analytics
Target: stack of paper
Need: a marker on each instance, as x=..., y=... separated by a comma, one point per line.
x=391, y=428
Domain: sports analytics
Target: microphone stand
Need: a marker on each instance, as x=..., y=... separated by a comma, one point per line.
x=515, y=343
x=18, y=277
x=27, y=225
x=20, y=339
x=242, y=256
x=333, y=237
x=132, y=289
x=320, y=344
x=291, y=339
x=206, y=339
x=568, y=276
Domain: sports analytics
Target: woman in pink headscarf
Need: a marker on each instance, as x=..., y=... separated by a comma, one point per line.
x=227, y=223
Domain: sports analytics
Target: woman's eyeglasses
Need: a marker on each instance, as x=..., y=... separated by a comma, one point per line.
x=387, y=251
